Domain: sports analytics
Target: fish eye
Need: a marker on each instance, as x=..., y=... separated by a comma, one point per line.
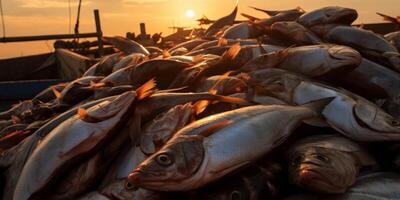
x=164, y=160
x=236, y=195
x=322, y=157
x=297, y=161
x=130, y=186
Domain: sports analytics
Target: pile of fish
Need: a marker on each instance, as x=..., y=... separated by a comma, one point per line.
x=296, y=105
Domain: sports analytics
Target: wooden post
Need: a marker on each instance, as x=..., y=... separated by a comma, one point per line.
x=99, y=32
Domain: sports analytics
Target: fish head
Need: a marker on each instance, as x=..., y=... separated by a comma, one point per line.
x=340, y=15
x=276, y=83
x=329, y=15
x=322, y=169
x=342, y=57
x=174, y=163
x=374, y=118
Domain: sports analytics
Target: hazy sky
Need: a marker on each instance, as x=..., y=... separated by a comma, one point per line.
x=33, y=17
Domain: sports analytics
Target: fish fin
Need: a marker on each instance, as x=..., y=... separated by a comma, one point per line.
x=270, y=13
x=56, y=92
x=94, y=85
x=319, y=105
x=200, y=106
x=198, y=58
x=166, y=54
x=300, y=9
x=388, y=18
x=249, y=17
x=146, y=89
x=222, y=42
x=82, y=113
x=215, y=127
x=231, y=53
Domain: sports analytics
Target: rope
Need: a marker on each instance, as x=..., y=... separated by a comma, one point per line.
x=2, y=19
x=77, y=20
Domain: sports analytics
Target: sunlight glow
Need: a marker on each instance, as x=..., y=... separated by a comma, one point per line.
x=190, y=13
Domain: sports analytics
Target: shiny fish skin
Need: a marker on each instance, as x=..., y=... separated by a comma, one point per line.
x=312, y=61
x=329, y=15
x=55, y=150
x=225, y=150
x=352, y=115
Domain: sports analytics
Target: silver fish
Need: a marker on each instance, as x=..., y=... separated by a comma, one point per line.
x=352, y=115
x=126, y=45
x=189, y=45
x=227, y=42
x=93, y=196
x=213, y=147
x=367, y=43
x=242, y=30
x=137, y=75
x=376, y=186
x=329, y=15
x=311, y=61
x=55, y=151
x=295, y=32
x=105, y=66
x=326, y=163
x=394, y=39
x=129, y=60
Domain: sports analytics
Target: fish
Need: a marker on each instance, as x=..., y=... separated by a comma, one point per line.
x=55, y=153
x=105, y=66
x=129, y=60
x=272, y=13
x=152, y=138
x=228, y=42
x=224, y=85
x=316, y=61
x=367, y=43
x=220, y=23
x=89, y=173
x=126, y=45
x=15, y=158
x=119, y=190
x=242, y=30
x=328, y=15
x=267, y=22
x=189, y=45
x=379, y=185
x=48, y=94
x=180, y=51
x=371, y=80
x=213, y=147
x=326, y=164
x=394, y=39
x=349, y=114
x=296, y=33
x=77, y=90
x=137, y=75
x=17, y=109
x=154, y=51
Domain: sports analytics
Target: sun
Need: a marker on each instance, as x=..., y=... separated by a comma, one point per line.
x=190, y=13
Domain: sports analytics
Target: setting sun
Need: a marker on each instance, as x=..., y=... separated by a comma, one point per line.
x=190, y=13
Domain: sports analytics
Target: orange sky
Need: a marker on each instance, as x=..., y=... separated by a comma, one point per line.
x=35, y=17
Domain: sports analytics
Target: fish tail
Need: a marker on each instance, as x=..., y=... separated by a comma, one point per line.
x=231, y=53
x=319, y=105
x=249, y=17
x=146, y=89
x=229, y=99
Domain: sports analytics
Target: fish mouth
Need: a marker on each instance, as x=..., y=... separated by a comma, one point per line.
x=316, y=181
